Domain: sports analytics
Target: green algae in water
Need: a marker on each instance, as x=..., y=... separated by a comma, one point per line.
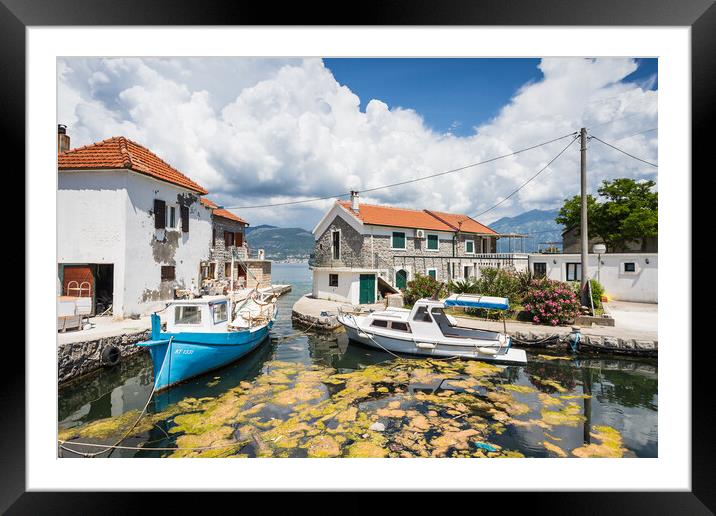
x=318, y=412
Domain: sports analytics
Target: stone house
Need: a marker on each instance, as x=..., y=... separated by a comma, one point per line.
x=363, y=251
x=229, y=237
x=131, y=228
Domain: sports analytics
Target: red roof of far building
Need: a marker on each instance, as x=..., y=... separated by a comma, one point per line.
x=418, y=219
x=221, y=212
x=121, y=153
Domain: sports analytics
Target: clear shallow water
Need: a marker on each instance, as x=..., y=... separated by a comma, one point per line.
x=615, y=392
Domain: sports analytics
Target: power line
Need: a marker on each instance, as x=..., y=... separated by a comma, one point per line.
x=632, y=115
x=625, y=152
x=529, y=180
x=636, y=134
x=459, y=169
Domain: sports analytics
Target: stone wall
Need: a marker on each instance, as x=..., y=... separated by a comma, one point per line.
x=79, y=358
x=220, y=253
x=261, y=271
x=354, y=252
x=374, y=251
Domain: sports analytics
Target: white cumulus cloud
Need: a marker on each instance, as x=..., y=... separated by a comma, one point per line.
x=262, y=131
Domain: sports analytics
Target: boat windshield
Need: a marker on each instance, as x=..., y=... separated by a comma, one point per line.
x=220, y=313
x=422, y=315
x=187, y=314
x=450, y=330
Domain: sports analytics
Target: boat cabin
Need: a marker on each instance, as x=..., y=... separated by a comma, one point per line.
x=207, y=314
x=429, y=320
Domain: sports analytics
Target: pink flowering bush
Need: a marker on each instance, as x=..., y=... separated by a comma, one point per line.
x=551, y=302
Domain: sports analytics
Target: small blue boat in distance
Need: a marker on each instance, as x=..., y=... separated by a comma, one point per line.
x=206, y=333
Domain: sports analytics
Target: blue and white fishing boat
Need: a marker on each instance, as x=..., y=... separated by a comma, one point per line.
x=206, y=333
x=428, y=330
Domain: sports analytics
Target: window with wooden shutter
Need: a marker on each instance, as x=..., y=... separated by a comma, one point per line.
x=213, y=237
x=160, y=214
x=185, y=219
x=398, y=241
x=239, y=239
x=228, y=238
x=168, y=273
x=433, y=242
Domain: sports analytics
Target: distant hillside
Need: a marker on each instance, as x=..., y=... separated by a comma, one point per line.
x=281, y=243
x=539, y=224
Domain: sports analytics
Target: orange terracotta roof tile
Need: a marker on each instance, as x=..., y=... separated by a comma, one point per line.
x=418, y=219
x=398, y=217
x=121, y=153
x=461, y=222
x=221, y=212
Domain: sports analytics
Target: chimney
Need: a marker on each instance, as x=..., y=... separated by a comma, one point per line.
x=63, y=139
x=354, y=201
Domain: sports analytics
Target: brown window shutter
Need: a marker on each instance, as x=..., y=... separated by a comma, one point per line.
x=185, y=219
x=160, y=214
x=227, y=239
x=213, y=237
x=239, y=239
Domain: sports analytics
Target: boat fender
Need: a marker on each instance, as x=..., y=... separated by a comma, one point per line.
x=110, y=355
x=574, y=338
x=424, y=345
x=363, y=335
x=487, y=351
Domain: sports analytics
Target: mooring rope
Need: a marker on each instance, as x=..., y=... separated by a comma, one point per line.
x=141, y=414
x=555, y=336
x=141, y=448
x=292, y=335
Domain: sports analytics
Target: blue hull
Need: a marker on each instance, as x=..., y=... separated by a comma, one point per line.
x=192, y=354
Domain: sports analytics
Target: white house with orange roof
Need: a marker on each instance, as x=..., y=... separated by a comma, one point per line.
x=131, y=228
x=363, y=251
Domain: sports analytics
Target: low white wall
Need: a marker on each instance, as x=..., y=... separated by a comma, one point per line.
x=638, y=286
x=347, y=291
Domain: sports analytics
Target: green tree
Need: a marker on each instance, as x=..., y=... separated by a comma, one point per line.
x=627, y=211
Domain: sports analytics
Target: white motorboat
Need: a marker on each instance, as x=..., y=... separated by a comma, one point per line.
x=428, y=330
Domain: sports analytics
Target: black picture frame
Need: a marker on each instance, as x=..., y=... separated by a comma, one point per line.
x=700, y=15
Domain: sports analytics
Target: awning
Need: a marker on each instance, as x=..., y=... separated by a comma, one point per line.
x=473, y=301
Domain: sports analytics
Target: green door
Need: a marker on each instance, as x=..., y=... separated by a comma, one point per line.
x=401, y=279
x=367, y=288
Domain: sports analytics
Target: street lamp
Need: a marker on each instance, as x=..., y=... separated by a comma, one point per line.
x=599, y=249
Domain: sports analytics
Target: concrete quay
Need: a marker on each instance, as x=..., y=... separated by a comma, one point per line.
x=80, y=352
x=321, y=315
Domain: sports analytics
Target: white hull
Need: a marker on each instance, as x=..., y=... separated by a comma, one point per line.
x=484, y=350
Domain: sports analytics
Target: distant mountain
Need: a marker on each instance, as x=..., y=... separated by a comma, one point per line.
x=281, y=243
x=249, y=229
x=538, y=224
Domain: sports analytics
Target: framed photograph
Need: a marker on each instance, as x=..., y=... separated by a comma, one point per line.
x=369, y=254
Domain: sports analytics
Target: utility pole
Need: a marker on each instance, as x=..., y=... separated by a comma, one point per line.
x=584, y=229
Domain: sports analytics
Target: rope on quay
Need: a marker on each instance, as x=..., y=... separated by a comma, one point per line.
x=141, y=448
x=536, y=341
x=109, y=448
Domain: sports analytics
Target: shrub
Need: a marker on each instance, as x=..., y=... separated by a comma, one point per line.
x=597, y=291
x=499, y=283
x=422, y=286
x=462, y=287
x=551, y=302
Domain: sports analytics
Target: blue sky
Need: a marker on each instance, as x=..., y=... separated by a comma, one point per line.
x=257, y=131
x=452, y=95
